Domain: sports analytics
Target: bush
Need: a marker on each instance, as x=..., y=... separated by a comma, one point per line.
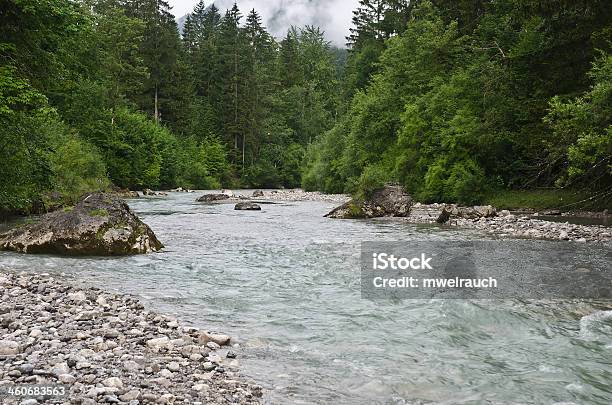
x=373, y=178
x=77, y=168
x=466, y=183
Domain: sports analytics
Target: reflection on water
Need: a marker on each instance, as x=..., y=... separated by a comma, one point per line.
x=285, y=283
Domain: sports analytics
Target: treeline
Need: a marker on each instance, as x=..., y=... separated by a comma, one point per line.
x=456, y=99
x=96, y=93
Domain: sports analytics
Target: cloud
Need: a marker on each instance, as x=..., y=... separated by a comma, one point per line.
x=333, y=16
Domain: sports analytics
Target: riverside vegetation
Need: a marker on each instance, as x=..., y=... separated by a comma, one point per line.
x=465, y=102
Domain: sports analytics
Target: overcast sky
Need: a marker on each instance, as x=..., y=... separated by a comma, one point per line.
x=333, y=16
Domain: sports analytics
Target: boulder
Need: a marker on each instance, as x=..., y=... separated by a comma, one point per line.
x=389, y=201
x=213, y=197
x=258, y=193
x=476, y=212
x=125, y=193
x=150, y=193
x=221, y=340
x=486, y=211
x=99, y=224
x=551, y=213
x=444, y=216
x=247, y=206
x=228, y=193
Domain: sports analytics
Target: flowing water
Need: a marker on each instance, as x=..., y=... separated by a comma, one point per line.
x=285, y=283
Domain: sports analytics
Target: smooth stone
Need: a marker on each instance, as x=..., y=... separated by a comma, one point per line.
x=158, y=342
x=66, y=378
x=131, y=395
x=9, y=348
x=221, y=340
x=113, y=382
x=78, y=296
x=166, y=373
x=200, y=387
x=213, y=346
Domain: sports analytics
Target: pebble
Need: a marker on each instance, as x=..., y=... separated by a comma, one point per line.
x=78, y=296
x=114, y=382
x=66, y=378
x=301, y=195
x=9, y=348
x=213, y=345
x=108, y=348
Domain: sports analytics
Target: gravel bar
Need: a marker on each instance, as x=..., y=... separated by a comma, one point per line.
x=100, y=347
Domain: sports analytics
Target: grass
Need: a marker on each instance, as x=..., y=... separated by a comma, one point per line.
x=98, y=213
x=566, y=200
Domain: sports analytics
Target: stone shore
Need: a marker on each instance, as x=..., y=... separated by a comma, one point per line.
x=106, y=348
x=507, y=224
x=300, y=195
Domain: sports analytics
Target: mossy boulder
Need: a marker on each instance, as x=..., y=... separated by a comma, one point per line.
x=99, y=224
x=207, y=198
x=388, y=201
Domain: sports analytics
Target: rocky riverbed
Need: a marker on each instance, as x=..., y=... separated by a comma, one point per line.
x=300, y=195
x=507, y=224
x=106, y=348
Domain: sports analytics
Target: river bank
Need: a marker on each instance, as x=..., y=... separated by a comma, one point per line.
x=505, y=224
x=106, y=348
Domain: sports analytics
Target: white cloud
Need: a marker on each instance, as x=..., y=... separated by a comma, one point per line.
x=333, y=16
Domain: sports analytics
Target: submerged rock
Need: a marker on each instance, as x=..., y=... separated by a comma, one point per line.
x=247, y=206
x=213, y=197
x=389, y=201
x=100, y=224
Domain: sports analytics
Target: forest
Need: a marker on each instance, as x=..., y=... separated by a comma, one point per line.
x=454, y=99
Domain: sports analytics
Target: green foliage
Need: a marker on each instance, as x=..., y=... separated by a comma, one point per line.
x=456, y=104
x=77, y=167
x=452, y=99
x=98, y=213
x=583, y=130
x=543, y=199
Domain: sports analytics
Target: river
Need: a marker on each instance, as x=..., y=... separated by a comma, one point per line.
x=285, y=283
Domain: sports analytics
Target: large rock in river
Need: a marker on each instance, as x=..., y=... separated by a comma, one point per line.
x=100, y=224
x=247, y=206
x=476, y=212
x=389, y=201
x=213, y=197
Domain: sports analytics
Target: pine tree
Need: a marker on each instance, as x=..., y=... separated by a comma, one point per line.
x=231, y=47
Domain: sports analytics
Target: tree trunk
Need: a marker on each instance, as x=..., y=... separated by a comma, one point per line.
x=156, y=108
